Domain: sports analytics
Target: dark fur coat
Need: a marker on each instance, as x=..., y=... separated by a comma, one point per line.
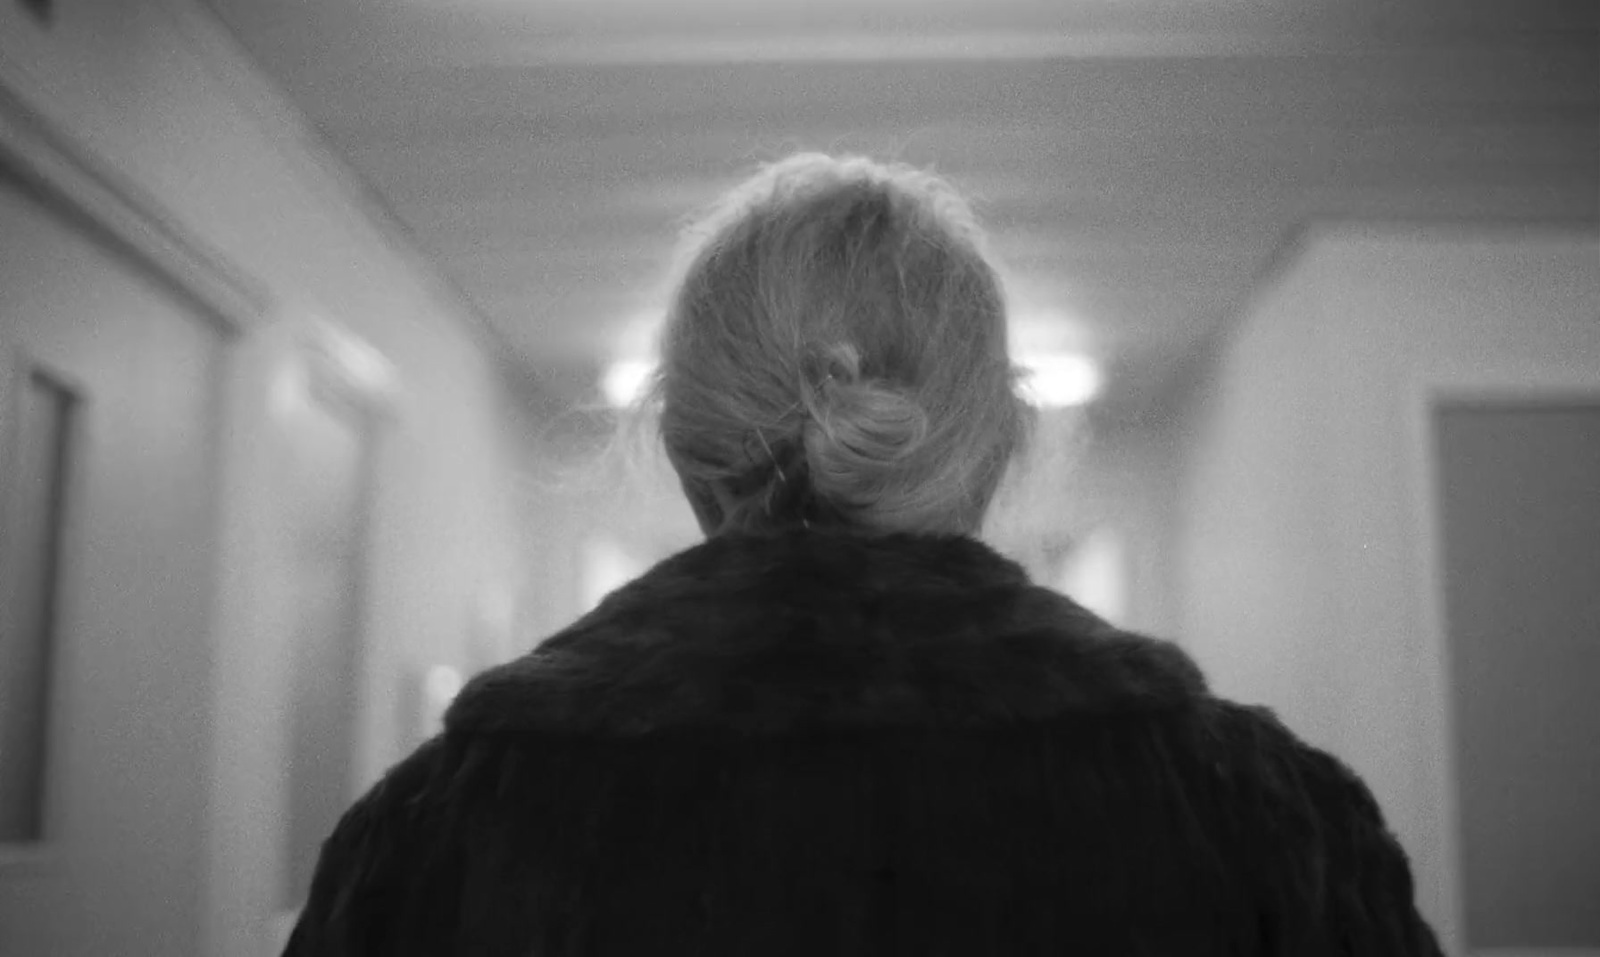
x=819, y=744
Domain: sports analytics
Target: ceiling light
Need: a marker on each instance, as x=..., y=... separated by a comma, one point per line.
x=1060, y=379
x=624, y=382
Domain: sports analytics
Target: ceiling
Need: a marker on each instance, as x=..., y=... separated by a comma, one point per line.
x=1141, y=163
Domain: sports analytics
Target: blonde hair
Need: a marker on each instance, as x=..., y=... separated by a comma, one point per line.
x=836, y=353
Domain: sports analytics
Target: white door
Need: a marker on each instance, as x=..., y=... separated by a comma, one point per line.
x=109, y=385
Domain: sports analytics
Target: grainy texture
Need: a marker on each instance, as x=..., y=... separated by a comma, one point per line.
x=814, y=743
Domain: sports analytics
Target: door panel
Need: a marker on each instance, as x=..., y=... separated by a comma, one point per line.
x=40, y=471
x=323, y=487
x=1520, y=498
x=117, y=435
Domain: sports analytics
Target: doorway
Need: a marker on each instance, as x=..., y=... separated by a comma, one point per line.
x=1519, y=494
x=321, y=492
x=109, y=382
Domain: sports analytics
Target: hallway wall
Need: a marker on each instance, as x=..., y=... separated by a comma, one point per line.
x=158, y=95
x=1302, y=539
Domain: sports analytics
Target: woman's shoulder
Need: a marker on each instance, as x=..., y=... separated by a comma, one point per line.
x=793, y=633
x=1317, y=842
x=1196, y=811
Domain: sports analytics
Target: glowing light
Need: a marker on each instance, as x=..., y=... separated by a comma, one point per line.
x=442, y=684
x=625, y=380
x=1058, y=380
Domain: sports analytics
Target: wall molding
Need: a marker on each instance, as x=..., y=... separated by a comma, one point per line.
x=307, y=151
x=73, y=179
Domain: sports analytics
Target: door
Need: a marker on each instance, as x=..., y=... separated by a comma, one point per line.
x=323, y=484
x=1519, y=489
x=109, y=385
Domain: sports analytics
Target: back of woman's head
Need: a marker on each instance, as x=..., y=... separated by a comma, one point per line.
x=835, y=354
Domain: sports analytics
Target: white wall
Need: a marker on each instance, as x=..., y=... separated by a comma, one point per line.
x=1302, y=574
x=162, y=97
x=1250, y=546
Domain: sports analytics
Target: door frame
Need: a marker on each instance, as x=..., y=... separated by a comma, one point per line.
x=69, y=179
x=347, y=378
x=1568, y=380
x=17, y=365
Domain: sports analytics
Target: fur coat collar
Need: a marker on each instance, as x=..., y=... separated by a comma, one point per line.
x=809, y=630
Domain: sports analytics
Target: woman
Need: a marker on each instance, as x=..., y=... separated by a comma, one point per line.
x=841, y=725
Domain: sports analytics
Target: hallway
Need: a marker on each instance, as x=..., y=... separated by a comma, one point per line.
x=318, y=322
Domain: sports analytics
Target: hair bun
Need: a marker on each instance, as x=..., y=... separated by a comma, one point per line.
x=859, y=433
